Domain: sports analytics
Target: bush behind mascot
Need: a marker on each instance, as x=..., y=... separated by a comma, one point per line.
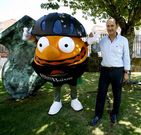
x=61, y=54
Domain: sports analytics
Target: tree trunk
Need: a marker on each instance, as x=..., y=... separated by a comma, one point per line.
x=129, y=33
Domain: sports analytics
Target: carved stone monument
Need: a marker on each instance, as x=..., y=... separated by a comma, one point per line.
x=18, y=76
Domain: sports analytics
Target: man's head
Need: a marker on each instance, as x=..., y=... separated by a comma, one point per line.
x=112, y=26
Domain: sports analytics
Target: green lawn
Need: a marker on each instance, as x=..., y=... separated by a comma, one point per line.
x=30, y=116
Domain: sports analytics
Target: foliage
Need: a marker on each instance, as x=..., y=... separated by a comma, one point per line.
x=125, y=11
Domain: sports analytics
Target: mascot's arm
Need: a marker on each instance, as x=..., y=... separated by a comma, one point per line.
x=27, y=36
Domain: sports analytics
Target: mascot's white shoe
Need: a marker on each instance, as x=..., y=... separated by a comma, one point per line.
x=55, y=108
x=76, y=105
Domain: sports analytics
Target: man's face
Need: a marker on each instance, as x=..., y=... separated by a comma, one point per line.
x=111, y=27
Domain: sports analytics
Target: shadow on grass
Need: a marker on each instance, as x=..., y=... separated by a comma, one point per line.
x=30, y=116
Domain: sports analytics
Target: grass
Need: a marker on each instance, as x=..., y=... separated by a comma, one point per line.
x=30, y=116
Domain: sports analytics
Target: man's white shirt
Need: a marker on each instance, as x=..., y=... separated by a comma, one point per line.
x=115, y=53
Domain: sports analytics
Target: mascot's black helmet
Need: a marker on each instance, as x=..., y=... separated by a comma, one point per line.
x=60, y=24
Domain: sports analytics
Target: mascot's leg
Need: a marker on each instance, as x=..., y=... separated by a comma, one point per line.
x=57, y=104
x=75, y=103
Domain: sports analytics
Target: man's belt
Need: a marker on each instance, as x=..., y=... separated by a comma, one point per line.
x=111, y=68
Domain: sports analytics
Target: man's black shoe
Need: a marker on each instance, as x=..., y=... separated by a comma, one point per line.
x=113, y=118
x=95, y=121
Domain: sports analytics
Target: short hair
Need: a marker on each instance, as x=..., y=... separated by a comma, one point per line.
x=113, y=19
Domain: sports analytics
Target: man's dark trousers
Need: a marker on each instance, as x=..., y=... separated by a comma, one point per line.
x=113, y=76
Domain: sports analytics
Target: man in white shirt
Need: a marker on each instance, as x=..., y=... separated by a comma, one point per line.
x=115, y=66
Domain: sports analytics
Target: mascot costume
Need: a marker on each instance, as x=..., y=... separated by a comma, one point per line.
x=61, y=54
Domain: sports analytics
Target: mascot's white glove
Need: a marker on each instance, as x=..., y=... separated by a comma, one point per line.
x=26, y=33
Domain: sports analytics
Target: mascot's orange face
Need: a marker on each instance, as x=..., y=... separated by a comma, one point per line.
x=58, y=50
x=61, y=54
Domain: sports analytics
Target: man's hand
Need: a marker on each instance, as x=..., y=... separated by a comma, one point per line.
x=91, y=34
x=126, y=76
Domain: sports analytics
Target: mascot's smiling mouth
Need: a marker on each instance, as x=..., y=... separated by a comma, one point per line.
x=67, y=61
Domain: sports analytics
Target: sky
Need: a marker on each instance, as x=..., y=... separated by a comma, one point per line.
x=16, y=9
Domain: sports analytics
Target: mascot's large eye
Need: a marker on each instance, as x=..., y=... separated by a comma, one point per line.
x=66, y=44
x=42, y=43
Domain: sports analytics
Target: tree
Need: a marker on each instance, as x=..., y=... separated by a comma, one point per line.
x=126, y=12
